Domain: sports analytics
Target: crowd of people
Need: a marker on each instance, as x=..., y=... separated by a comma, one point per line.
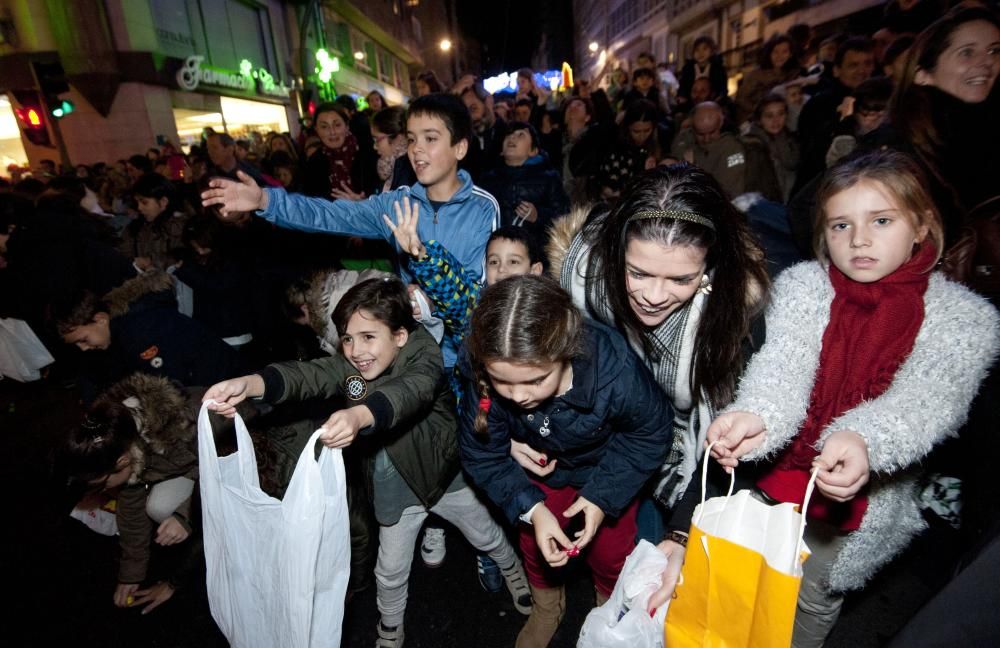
x=552, y=304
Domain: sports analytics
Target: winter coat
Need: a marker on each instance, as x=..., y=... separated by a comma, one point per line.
x=927, y=401
x=155, y=241
x=463, y=224
x=757, y=83
x=411, y=404
x=609, y=433
x=717, y=78
x=149, y=335
x=725, y=159
x=167, y=448
x=316, y=175
x=534, y=182
x=783, y=152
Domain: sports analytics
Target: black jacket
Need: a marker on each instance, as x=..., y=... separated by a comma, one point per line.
x=717, y=78
x=535, y=182
x=610, y=432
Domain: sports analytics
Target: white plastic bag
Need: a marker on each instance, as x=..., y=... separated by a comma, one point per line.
x=22, y=354
x=277, y=569
x=623, y=622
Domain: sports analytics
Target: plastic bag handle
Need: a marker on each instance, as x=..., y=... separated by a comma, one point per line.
x=810, y=487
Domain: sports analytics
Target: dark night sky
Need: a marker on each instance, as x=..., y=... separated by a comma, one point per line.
x=510, y=30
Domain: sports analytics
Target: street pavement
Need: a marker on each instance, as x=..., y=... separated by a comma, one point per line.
x=63, y=574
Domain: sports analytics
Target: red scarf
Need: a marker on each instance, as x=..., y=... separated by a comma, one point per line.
x=871, y=332
x=340, y=161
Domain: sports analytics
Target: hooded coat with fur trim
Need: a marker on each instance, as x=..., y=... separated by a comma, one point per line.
x=148, y=334
x=166, y=420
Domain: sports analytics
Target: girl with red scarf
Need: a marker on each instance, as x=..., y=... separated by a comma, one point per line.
x=871, y=359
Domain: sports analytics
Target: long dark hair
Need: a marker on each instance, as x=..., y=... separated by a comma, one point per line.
x=106, y=433
x=739, y=282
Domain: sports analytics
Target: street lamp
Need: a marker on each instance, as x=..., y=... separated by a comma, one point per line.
x=359, y=55
x=445, y=45
x=593, y=47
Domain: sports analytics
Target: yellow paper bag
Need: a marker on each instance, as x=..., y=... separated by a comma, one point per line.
x=741, y=575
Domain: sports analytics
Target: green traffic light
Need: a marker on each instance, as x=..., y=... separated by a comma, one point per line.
x=64, y=108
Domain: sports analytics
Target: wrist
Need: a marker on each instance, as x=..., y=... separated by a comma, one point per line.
x=679, y=537
x=362, y=416
x=264, y=200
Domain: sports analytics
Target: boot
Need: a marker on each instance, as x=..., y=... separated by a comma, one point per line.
x=601, y=599
x=547, y=610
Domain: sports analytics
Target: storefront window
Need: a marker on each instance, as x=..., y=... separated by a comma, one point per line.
x=239, y=118
x=11, y=148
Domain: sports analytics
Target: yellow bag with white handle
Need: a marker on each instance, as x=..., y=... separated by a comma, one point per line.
x=742, y=571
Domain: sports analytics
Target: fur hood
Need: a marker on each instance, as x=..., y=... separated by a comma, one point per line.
x=152, y=281
x=161, y=413
x=324, y=293
x=561, y=235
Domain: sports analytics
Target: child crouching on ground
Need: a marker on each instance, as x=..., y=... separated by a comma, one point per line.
x=391, y=368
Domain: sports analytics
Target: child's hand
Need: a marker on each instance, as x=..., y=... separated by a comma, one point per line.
x=738, y=433
x=345, y=192
x=171, y=532
x=343, y=425
x=405, y=229
x=143, y=263
x=232, y=196
x=123, y=594
x=412, y=291
x=592, y=518
x=843, y=466
x=551, y=540
x=674, y=552
x=228, y=393
x=527, y=211
x=156, y=595
x=530, y=459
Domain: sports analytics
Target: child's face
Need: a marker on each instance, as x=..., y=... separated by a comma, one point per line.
x=868, y=120
x=506, y=258
x=772, y=118
x=522, y=113
x=793, y=95
x=114, y=479
x=529, y=385
x=701, y=90
x=780, y=55
x=93, y=336
x=643, y=84
x=150, y=208
x=284, y=175
x=660, y=279
x=702, y=53
x=867, y=235
x=433, y=156
x=370, y=345
x=517, y=147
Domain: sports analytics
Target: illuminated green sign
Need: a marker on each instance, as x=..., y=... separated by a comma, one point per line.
x=193, y=73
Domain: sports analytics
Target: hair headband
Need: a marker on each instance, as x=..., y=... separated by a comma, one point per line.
x=676, y=214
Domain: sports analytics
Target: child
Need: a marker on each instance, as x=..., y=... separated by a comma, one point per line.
x=704, y=63
x=150, y=238
x=463, y=215
x=768, y=127
x=390, y=368
x=528, y=189
x=888, y=358
x=865, y=114
x=573, y=389
x=140, y=328
x=644, y=88
x=139, y=437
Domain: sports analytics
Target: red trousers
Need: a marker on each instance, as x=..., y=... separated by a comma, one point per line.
x=605, y=555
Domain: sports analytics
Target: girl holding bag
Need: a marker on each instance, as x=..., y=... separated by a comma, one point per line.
x=888, y=356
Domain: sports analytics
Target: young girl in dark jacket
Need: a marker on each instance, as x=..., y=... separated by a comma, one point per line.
x=573, y=389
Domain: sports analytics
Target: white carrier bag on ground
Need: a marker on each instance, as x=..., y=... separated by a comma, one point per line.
x=22, y=354
x=277, y=569
x=622, y=622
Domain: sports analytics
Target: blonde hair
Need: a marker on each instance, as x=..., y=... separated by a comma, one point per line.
x=896, y=174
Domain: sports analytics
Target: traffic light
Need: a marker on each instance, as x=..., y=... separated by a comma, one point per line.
x=62, y=108
x=32, y=117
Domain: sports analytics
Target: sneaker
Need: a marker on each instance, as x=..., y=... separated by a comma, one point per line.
x=432, y=548
x=490, y=577
x=389, y=637
x=517, y=585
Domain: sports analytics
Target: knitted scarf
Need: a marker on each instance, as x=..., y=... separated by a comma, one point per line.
x=672, y=367
x=340, y=161
x=387, y=162
x=872, y=329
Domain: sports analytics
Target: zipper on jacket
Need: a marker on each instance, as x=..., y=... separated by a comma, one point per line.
x=435, y=217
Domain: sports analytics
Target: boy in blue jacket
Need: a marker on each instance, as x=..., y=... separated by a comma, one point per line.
x=462, y=215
